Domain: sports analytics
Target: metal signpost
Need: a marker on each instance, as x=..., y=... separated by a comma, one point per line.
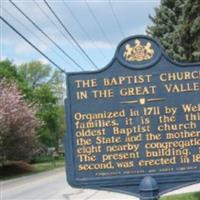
x=134, y=126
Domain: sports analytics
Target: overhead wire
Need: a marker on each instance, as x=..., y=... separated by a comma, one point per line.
x=116, y=18
x=98, y=23
x=29, y=19
x=27, y=28
x=60, y=30
x=83, y=29
x=71, y=35
x=30, y=43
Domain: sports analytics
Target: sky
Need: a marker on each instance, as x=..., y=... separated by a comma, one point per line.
x=98, y=26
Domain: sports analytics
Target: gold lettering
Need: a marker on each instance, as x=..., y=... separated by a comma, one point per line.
x=138, y=91
x=86, y=83
x=174, y=76
x=178, y=88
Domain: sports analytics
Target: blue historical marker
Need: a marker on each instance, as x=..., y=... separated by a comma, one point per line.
x=134, y=126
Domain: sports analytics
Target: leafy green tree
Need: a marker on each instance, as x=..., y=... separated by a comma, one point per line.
x=35, y=73
x=176, y=25
x=46, y=89
x=52, y=116
x=189, y=30
x=47, y=113
x=57, y=85
x=9, y=72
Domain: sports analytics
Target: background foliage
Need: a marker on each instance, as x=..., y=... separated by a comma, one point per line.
x=23, y=89
x=176, y=25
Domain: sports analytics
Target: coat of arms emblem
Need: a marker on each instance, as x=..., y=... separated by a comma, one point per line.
x=139, y=52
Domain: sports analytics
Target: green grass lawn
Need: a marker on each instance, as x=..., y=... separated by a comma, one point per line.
x=13, y=169
x=44, y=166
x=188, y=196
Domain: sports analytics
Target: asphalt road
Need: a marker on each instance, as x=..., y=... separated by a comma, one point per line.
x=52, y=185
